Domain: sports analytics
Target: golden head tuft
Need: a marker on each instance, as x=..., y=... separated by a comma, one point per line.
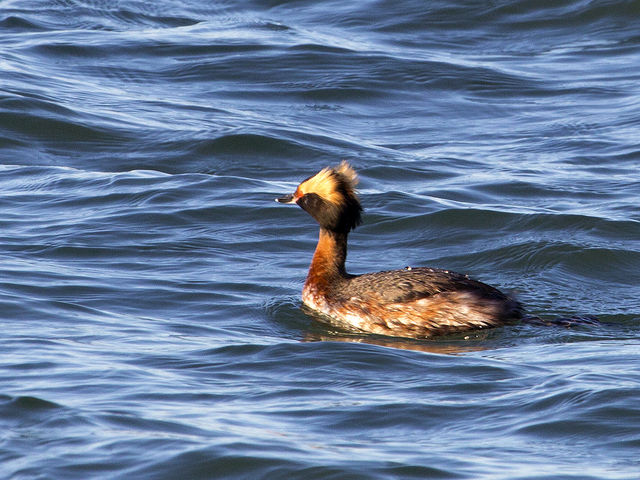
x=349, y=174
x=331, y=183
x=329, y=196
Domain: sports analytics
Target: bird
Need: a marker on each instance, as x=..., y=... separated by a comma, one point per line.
x=412, y=302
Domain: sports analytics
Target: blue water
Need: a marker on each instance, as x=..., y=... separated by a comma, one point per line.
x=149, y=284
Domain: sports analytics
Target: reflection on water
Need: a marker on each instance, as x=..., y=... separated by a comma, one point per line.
x=445, y=347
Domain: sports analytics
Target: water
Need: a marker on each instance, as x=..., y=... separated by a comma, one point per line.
x=149, y=290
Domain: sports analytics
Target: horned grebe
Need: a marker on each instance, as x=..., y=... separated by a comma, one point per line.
x=413, y=302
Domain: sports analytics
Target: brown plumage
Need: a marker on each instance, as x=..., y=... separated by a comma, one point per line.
x=412, y=302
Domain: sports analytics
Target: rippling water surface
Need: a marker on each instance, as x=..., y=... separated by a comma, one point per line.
x=149, y=286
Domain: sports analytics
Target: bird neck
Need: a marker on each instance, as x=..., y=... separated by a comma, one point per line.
x=328, y=260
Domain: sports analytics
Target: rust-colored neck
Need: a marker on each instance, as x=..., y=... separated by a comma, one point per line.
x=328, y=260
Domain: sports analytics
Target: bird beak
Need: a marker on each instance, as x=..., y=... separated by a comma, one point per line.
x=287, y=199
